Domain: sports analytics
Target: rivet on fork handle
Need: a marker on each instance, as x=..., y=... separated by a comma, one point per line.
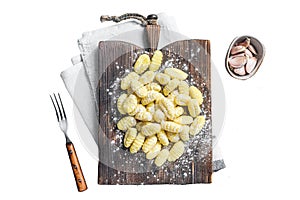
x=78, y=175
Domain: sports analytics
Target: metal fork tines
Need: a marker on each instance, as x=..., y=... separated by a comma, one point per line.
x=63, y=124
x=61, y=116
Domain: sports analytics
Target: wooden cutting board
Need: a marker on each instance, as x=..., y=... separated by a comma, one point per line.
x=117, y=165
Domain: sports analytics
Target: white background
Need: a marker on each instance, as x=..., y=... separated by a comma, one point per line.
x=260, y=137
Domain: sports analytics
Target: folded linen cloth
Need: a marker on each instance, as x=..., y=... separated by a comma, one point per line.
x=82, y=78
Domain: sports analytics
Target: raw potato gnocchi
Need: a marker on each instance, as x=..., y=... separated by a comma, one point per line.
x=184, y=119
x=178, y=111
x=163, y=138
x=138, y=88
x=147, y=77
x=126, y=122
x=162, y=110
x=163, y=79
x=144, y=116
x=184, y=134
x=137, y=143
x=197, y=125
x=171, y=126
x=149, y=143
x=172, y=96
x=194, y=108
x=176, y=73
x=120, y=102
x=172, y=85
x=176, y=151
x=196, y=94
x=150, y=97
x=153, y=86
x=130, y=136
x=150, y=129
x=182, y=99
x=154, y=151
x=173, y=137
x=139, y=125
x=130, y=103
x=126, y=82
x=161, y=157
x=142, y=64
x=151, y=108
x=159, y=116
x=138, y=108
x=184, y=88
x=167, y=107
x=156, y=60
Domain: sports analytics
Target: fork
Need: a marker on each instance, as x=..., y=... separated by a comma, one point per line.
x=63, y=124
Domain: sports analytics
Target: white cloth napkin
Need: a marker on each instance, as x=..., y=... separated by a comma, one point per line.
x=81, y=79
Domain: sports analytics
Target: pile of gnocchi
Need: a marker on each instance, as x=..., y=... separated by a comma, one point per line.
x=160, y=110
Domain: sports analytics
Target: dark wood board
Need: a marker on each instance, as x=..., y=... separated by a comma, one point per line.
x=113, y=168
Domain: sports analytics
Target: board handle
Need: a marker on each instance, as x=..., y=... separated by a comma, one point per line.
x=153, y=32
x=78, y=175
x=152, y=28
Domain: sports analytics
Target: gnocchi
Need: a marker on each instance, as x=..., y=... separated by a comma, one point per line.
x=172, y=85
x=176, y=73
x=194, y=108
x=156, y=60
x=183, y=88
x=139, y=125
x=152, y=153
x=173, y=137
x=149, y=143
x=167, y=107
x=147, y=77
x=172, y=97
x=153, y=86
x=143, y=116
x=130, y=136
x=120, y=102
x=150, y=97
x=176, y=151
x=182, y=99
x=126, y=122
x=178, y=111
x=151, y=108
x=153, y=105
x=137, y=143
x=142, y=64
x=171, y=126
x=138, y=108
x=130, y=103
x=126, y=82
x=163, y=138
x=163, y=79
x=197, y=125
x=138, y=88
x=184, y=120
x=184, y=133
x=196, y=94
x=161, y=157
x=150, y=129
x=159, y=116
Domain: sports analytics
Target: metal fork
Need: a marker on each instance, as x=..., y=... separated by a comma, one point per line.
x=63, y=124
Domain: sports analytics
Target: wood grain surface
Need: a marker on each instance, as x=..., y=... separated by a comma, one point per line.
x=120, y=168
x=153, y=32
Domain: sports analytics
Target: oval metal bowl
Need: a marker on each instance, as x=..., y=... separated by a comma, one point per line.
x=260, y=50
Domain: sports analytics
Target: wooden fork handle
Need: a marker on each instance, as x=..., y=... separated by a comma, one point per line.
x=78, y=175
